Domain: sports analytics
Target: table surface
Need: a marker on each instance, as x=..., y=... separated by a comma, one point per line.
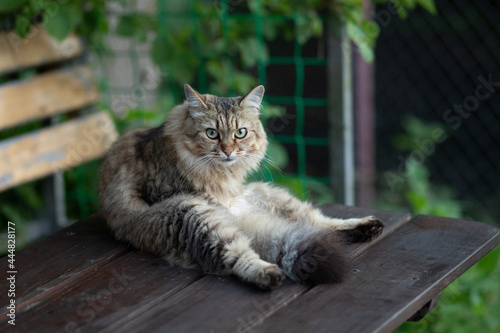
x=81, y=280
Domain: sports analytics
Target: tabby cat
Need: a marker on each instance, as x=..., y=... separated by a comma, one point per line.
x=178, y=191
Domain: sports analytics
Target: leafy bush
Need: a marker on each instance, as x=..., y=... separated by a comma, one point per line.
x=472, y=302
x=469, y=304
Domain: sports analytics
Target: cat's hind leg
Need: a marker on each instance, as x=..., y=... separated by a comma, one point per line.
x=210, y=234
x=192, y=232
x=357, y=229
x=283, y=204
x=247, y=265
x=305, y=253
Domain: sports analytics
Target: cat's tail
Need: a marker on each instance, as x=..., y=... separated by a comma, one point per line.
x=313, y=257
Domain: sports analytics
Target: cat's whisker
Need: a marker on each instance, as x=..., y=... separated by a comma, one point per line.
x=252, y=157
x=270, y=173
x=192, y=169
x=274, y=164
x=183, y=171
x=189, y=169
x=265, y=159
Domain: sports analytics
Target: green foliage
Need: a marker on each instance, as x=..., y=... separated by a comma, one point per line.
x=225, y=54
x=472, y=302
x=63, y=21
x=410, y=187
x=7, y=6
x=426, y=198
x=59, y=18
x=88, y=18
x=416, y=131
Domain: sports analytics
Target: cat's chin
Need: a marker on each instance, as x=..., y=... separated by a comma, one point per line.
x=226, y=161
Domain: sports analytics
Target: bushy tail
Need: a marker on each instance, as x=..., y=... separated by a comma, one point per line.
x=314, y=257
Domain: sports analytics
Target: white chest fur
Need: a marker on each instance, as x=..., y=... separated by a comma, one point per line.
x=240, y=205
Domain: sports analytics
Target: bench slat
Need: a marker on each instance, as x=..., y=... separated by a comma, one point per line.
x=38, y=48
x=60, y=259
x=109, y=295
x=393, y=280
x=173, y=307
x=46, y=94
x=226, y=305
x=45, y=151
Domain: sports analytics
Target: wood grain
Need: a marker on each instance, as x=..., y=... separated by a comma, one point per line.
x=133, y=283
x=237, y=307
x=90, y=283
x=158, y=296
x=56, y=261
x=38, y=48
x=43, y=152
x=45, y=95
x=392, y=280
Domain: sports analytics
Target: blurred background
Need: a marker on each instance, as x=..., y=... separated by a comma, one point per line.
x=389, y=104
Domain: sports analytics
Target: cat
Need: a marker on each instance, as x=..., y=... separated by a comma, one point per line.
x=178, y=191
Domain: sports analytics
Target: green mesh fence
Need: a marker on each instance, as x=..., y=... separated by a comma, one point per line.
x=298, y=142
x=121, y=75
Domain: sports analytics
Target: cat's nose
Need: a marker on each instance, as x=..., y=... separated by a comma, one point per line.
x=228, y=151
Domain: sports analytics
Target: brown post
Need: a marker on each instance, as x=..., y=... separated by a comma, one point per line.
x=364, y=115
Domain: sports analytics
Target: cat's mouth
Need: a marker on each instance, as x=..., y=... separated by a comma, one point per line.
x=227, y=161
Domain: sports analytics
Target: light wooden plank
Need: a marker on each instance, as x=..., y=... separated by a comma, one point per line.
x=43, y=152
x=38, y=48
x=46, y=94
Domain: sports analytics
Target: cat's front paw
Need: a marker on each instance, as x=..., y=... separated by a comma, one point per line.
x=368, y=229
x=270, y=278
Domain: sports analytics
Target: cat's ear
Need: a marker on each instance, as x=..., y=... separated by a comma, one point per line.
x=195, y=100
x=254, y=98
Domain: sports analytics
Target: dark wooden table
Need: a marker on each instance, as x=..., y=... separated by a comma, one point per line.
x=81, y=280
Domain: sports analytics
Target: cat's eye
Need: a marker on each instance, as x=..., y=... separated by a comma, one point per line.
x=241, y=133
x=212, y=134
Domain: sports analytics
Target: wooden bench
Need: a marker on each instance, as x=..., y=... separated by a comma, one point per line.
x=59, y=83
x=82, y=280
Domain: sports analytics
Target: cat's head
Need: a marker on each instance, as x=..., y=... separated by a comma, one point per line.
x=225, y=132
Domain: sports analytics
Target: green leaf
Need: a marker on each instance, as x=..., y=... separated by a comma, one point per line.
x=251, y=51
x=141, y=114
x=273, y=111
x=292, y=183
x=319, y=192
x=243, y=82
x=278, y=154
x=125, y=26
x=429, y=5
x=136, y=25
x=23, y=26
x=13, y=213
x=308, y=25
x=159, y=49
x=366, y=52
x=63, y=21
x=363, y=41
x=11, y=5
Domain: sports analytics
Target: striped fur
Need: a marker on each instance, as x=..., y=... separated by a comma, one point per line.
x=179, y=194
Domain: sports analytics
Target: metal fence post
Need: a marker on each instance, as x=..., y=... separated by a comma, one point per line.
x=340, y=114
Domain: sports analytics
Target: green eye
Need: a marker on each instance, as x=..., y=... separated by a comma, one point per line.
x=212, y=134
x=241, y=133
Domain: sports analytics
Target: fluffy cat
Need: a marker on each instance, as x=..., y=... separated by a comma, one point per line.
x=178, y=191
